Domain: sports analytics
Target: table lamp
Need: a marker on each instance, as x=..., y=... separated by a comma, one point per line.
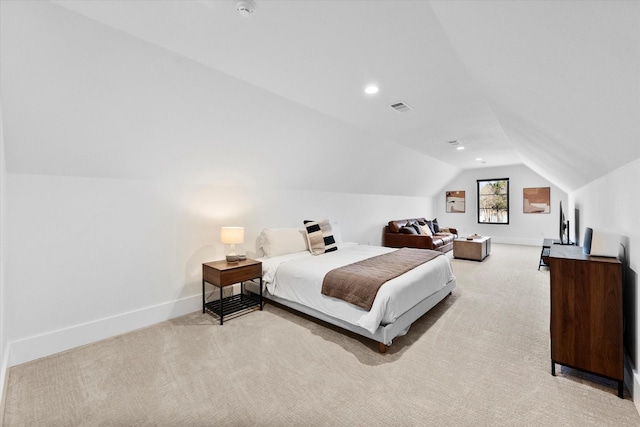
x=232, y=236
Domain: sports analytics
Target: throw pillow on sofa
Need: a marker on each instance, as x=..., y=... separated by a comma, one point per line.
x=417, y=227
x=407, y=229
x=426, y=230
x=430, y=225
x=436, y=226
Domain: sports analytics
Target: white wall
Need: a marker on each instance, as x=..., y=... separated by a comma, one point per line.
x=611, y=204
x=124, y=159
x=525, y=229
x=92, y=257
x=4, y=352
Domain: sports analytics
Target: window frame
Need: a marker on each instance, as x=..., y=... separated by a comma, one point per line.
x=481, y=183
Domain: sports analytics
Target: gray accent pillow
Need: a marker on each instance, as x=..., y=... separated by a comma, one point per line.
x=407, y=229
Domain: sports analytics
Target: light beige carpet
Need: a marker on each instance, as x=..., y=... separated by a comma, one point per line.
x=481, y=357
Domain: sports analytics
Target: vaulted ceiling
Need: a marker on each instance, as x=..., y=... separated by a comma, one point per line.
x=552, y=85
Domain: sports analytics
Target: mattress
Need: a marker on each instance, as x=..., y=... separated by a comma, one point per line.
x=298, y=277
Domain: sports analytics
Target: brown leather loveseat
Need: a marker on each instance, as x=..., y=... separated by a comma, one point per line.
x=411, y=233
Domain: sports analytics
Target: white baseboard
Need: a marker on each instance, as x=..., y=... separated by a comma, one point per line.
x=31, y=348
x=636, y=386
x=517, y=241
x=4, y=381
x=632, y=381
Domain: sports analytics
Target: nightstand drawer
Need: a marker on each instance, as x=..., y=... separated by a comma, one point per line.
x=222, y=273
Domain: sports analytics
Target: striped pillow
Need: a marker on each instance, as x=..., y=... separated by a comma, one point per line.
x=320, y=237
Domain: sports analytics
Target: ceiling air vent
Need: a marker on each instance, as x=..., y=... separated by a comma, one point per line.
x=402, y=107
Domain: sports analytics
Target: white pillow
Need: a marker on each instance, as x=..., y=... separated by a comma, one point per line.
x=337, y=233
x=282, y=241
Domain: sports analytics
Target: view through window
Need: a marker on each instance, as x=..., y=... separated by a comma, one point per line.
x=493, y=201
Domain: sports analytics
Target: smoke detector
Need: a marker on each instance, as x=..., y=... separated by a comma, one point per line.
x=245, y=7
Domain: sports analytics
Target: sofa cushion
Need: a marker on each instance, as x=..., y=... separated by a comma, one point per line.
x=395, y=226
x=436, y=226
x=426, y=230
x=407, y=229
x=417, y=227
x=437, y=241
x=446, y=238
x=430, y=225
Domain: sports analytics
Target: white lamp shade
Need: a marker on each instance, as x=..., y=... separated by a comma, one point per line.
x=232, y=235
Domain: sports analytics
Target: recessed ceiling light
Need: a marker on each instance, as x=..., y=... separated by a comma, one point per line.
x=460, y=148
x=371, y=89
x=479, y=159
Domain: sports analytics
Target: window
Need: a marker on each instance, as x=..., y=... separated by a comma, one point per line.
x=493, y=201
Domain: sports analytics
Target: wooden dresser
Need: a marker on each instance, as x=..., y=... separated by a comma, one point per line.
x=586, y=313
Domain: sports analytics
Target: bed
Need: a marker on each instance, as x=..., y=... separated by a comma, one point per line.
x=293, y=276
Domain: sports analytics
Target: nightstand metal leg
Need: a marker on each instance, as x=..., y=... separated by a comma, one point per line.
x=221, y=307
x=203, y=296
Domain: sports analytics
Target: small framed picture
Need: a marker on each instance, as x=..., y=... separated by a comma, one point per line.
x=455, y=201
x=536, y=200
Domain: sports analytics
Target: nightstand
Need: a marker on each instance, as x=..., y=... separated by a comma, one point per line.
x=223, y=273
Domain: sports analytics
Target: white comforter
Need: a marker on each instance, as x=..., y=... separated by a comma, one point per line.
x=298, y=277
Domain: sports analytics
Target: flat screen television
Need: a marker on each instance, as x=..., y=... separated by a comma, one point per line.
x=564, y=228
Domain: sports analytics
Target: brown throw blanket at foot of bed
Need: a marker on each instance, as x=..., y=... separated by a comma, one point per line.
x=358, y=283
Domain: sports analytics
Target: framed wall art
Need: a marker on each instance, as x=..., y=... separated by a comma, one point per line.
x=536, y=200
x=455, y=201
